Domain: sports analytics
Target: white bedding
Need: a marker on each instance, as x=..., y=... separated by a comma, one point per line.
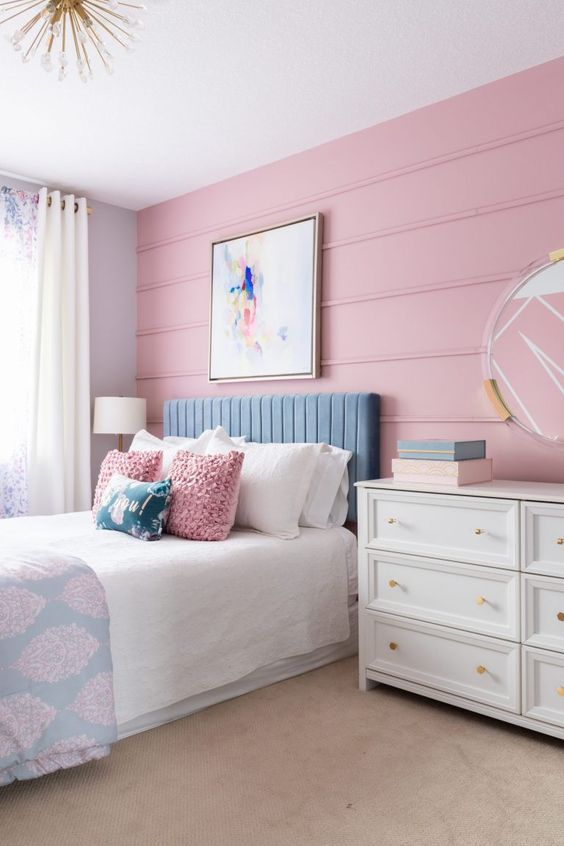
x=189, y=616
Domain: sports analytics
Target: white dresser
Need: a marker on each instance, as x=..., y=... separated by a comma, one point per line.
x=461, y=596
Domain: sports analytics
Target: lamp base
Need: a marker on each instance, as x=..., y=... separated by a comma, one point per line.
x=120, y=443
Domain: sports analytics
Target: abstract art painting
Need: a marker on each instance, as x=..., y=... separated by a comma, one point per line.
x=264, y=321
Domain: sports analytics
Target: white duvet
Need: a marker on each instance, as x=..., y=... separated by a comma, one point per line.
x=189, y=616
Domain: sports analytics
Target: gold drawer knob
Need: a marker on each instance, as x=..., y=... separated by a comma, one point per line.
x=479, y=531
x=480, y=600
x=480, y=669
x=560, y=541
x=560, y=616
x=393, y=646
x=392, y=520
x=392, y=583
x=560, y=691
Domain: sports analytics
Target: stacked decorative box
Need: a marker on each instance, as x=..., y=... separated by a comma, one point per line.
x=438, y=462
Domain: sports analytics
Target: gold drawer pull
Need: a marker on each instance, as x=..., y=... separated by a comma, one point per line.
x=481, y=600
x=560, y=691
x=392, y=520
x=560, y=541
x=392, y=583
x=479, y=531
x=393, y=646
x=560, y=616
x=480, y=669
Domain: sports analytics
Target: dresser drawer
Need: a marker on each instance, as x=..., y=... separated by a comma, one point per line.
x=478, y=668
x=543, y=612
x=543, y=685
x=542, y=539
x=469, y=529
x=464, y=596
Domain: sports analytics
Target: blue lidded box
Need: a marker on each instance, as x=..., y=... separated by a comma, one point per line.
x=442, y=450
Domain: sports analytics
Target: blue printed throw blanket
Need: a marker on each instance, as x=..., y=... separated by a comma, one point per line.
x=56, y=682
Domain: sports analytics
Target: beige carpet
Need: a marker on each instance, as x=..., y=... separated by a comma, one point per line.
x=307, y=761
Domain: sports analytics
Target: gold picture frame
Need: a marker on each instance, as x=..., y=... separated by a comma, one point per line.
x=265, y=303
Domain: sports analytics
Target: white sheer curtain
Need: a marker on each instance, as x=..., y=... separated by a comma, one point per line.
x=18, y=286
x=58, y=450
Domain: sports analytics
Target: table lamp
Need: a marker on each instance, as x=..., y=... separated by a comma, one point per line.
x=119, y=416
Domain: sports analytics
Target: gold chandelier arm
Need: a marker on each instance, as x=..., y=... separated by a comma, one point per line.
x=21, y=11
x=74, y=35
x=101, y=23
x=89, y=4
x=38, y=38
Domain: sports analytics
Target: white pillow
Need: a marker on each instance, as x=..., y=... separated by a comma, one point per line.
x=145, y=442
x=202, y=441
x=274, y=483
x=326, y=503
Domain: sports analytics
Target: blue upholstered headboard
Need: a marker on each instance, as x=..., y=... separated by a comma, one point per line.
x=351, y=421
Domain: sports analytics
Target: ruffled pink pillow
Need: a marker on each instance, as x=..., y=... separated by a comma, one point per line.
x=205, y=490
x=141, y=466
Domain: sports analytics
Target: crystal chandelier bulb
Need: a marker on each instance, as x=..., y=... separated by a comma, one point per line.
x=62, y=73
x=46, y=62
x=63, y=60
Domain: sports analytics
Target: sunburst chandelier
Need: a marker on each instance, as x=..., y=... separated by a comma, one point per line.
x=56, y=28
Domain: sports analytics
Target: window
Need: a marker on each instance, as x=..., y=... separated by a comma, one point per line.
x=18, y=239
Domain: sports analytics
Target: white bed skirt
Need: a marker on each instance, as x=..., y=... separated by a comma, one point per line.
x=280, y=670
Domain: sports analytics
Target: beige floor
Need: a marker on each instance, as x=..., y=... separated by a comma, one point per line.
x=307, y=761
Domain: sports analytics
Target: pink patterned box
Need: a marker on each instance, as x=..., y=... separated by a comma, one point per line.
x=450, y=473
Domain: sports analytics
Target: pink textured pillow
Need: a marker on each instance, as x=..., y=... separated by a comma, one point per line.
x=205, y=490
x=141, y=466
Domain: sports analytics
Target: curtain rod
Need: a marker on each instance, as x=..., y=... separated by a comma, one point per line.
x=33, y=180
x=89, y=210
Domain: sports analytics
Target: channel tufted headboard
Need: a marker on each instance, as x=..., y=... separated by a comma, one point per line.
x=351, y=421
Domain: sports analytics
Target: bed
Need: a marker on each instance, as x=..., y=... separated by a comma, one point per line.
x=194, y=623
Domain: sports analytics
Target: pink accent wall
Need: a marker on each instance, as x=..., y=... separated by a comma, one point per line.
x=428, y=219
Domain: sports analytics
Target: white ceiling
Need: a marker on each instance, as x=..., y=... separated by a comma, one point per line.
x=218, y=87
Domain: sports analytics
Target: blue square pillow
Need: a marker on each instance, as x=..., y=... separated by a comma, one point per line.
x=136, y=508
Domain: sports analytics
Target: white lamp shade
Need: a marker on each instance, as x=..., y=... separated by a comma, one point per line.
x=119, y=415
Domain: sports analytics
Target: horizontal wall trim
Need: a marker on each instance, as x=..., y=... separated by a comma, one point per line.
x=371, y=359
x=418, y=418
x=332, y=362
x=400, y=418
x=178, y=374
x=178, y=280
x=412, y=226
x=180, y=327
x=414, y=290
x=384, y=176
x=453, y=217
x=407, y=291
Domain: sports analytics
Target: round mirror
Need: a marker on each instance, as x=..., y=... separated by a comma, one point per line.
x=525, y=352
